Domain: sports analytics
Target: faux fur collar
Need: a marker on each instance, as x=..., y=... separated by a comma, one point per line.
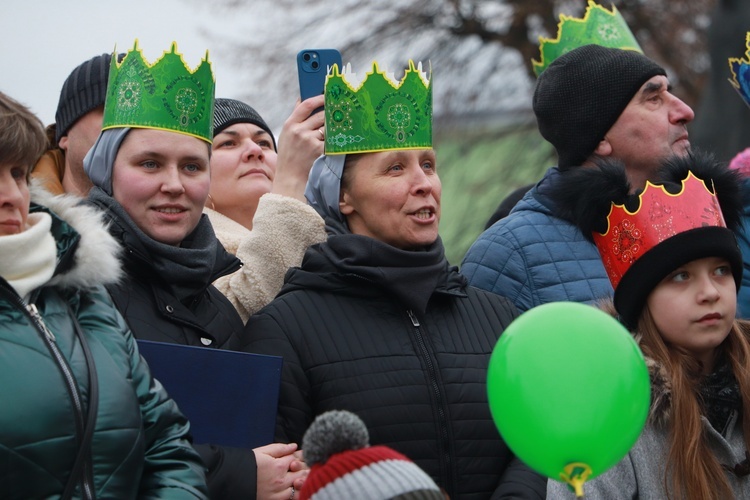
x=661, y=394
x=96, y=259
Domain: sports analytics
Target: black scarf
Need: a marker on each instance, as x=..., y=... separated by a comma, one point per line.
x=411, y=275
x=188, y=269
x=720, y=394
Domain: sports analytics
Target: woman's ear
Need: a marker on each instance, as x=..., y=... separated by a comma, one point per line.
x=604, y=148
x=345, y=206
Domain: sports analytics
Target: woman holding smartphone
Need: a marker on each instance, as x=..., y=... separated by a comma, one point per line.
x=256, y=203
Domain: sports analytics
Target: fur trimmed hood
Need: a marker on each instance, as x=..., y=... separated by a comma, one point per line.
x=96, y=259
x=660, y=409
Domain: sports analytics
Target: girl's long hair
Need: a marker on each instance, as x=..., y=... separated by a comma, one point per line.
x=692, y=471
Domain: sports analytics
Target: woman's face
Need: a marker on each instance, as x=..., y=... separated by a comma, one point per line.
x=14, y=199
x=394, y=197
x=162, y=179
x=694, y=306
x=243, y=165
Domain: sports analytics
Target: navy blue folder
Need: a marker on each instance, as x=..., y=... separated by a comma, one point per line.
x=229, y=397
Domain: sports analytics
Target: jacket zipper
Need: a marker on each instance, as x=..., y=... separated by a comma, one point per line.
x=49, y=339
x=431, y=372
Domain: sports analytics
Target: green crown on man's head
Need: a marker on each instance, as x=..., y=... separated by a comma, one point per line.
x=381, y=114
x=164, y=96
x=598, y=26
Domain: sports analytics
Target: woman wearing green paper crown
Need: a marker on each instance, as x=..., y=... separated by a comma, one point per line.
x=375, y=321
x=675, y=267
x=81, y=416
x=151, y=174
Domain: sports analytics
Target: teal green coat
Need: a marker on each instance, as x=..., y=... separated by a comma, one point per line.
x=139, y=446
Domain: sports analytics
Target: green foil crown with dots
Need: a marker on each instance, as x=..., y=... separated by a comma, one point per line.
x=164, y=96
x=380, y=115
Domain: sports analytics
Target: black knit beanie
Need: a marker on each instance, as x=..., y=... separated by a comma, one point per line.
x=581, y=95
x=83, y=90
x=230, y=111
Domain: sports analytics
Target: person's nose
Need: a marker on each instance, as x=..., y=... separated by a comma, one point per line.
x=251, y=149
x=172, y=180
x=10, y=193
x=680, y=112
x=421, y=182
x=708, y=292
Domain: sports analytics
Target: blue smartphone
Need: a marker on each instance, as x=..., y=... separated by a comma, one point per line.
x=313, y=66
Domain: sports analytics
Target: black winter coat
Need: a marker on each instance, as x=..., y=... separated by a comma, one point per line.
x=154, y=312
x=417, y=380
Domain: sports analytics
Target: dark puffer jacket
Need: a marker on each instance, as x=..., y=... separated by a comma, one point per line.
x=139, y=446
x=417, y=379
x=147, y=299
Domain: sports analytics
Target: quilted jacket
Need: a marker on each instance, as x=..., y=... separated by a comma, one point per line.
x=533, y=257
x=139, y=446
x=743, y=240
x=418, y=381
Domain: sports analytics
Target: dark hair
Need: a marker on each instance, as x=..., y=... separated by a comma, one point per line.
x=22, y=136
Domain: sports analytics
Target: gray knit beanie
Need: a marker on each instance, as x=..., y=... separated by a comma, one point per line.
x=581, y=95
x=83, y=90
x=230, y=111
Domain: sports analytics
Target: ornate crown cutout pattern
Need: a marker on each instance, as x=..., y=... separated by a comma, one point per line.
x=378, y=113
x=165, y=95
x=598, y=26
x=659, y=216
x=740, y=69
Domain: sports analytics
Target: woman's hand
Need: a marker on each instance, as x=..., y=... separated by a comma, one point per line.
x=281, y=471
x=300, y=143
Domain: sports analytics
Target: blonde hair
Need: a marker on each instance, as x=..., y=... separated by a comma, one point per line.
x=692, y=471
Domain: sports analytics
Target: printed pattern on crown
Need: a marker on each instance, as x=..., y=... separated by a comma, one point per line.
x=165, y=95
x=659, y=216
x=598, y=26
x=379, y=114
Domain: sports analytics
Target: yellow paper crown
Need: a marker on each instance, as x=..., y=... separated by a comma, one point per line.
x=598, y=26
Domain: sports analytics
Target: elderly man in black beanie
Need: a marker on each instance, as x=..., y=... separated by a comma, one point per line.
x=590, y=102
x=78, y=121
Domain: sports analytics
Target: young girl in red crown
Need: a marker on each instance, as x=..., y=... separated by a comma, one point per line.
x=675, y=266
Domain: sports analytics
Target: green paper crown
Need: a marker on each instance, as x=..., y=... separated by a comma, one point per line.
x=380, y=115
x=163, y=96
x=599, y=26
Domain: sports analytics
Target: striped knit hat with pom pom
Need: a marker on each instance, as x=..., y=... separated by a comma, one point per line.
x=343, y=465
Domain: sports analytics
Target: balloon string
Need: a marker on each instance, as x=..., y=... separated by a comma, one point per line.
x=575, y=474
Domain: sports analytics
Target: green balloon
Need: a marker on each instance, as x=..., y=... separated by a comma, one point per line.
x=568, y=386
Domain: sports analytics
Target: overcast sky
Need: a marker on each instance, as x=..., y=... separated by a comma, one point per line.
x=41, y=41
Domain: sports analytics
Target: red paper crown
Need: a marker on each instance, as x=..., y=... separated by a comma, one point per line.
x=660, y=216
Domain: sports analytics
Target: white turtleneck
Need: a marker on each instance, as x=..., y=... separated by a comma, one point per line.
x=28, y=259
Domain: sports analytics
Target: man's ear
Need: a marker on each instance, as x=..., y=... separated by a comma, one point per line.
x=63, y=143
x=604, y=148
